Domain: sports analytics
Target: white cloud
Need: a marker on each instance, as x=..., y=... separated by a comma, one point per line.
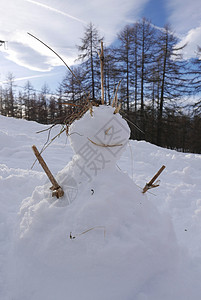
x=185, y=19
x=60, y=25
x=192, y=39
x=184, y=14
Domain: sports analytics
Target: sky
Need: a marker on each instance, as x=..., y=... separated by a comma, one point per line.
x=61, y=25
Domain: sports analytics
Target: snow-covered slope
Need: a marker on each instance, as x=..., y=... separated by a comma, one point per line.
x=133, y=246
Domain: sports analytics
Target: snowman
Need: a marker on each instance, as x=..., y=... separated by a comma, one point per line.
x=98, y=140
x=104, y=236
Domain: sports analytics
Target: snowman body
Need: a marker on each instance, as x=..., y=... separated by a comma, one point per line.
x=104, y=236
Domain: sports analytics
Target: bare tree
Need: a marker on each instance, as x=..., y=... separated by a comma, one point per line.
x=195, y=72
x=9, y=97
x=89, y=54
x=125, y=61
x=27, y=96
x=71, y=85
x=172, y=80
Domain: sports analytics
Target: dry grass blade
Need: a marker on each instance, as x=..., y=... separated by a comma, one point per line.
x=72, y=104
x=114, y=102
x=90, y=229
x=47, y=144
x=106, y=131
x=133, y=124
x=104, y=145
x=117, y=109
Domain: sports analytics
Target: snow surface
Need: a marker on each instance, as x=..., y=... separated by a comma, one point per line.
x=133, y=246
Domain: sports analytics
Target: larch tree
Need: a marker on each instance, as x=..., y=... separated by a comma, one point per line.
x=111, y=74
x=52, y=110
x=9, y=99
x=125, y=60
x=172, y=76
x=196, y=80
x=72, y=85
x=146, y=56
x=89, y=55
x=42, y=104
x=135, y=63
x=60, y=107
x=1, y=101
x=27, y=96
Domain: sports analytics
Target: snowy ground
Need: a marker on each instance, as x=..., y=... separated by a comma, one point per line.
x=142, y=250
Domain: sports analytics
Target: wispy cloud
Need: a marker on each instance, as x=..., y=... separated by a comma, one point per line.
x=33, y=77
x=26, y=78
x=55, y=10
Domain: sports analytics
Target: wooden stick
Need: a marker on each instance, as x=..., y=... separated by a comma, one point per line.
x=57, y=190
x=150, y=184
x=101, y=55
x=114, y=102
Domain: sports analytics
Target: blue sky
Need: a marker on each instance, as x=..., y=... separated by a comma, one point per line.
x=60, y=24
x=156, y=11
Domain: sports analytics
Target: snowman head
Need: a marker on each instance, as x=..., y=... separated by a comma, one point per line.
x=98, y=139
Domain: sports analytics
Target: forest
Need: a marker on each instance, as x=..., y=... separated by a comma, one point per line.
x=145, y=67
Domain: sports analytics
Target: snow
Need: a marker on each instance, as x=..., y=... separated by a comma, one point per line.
x=123, y=245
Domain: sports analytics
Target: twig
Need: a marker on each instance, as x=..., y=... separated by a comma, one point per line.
x=151, y=184
x=46, y=129
x=57, y=190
